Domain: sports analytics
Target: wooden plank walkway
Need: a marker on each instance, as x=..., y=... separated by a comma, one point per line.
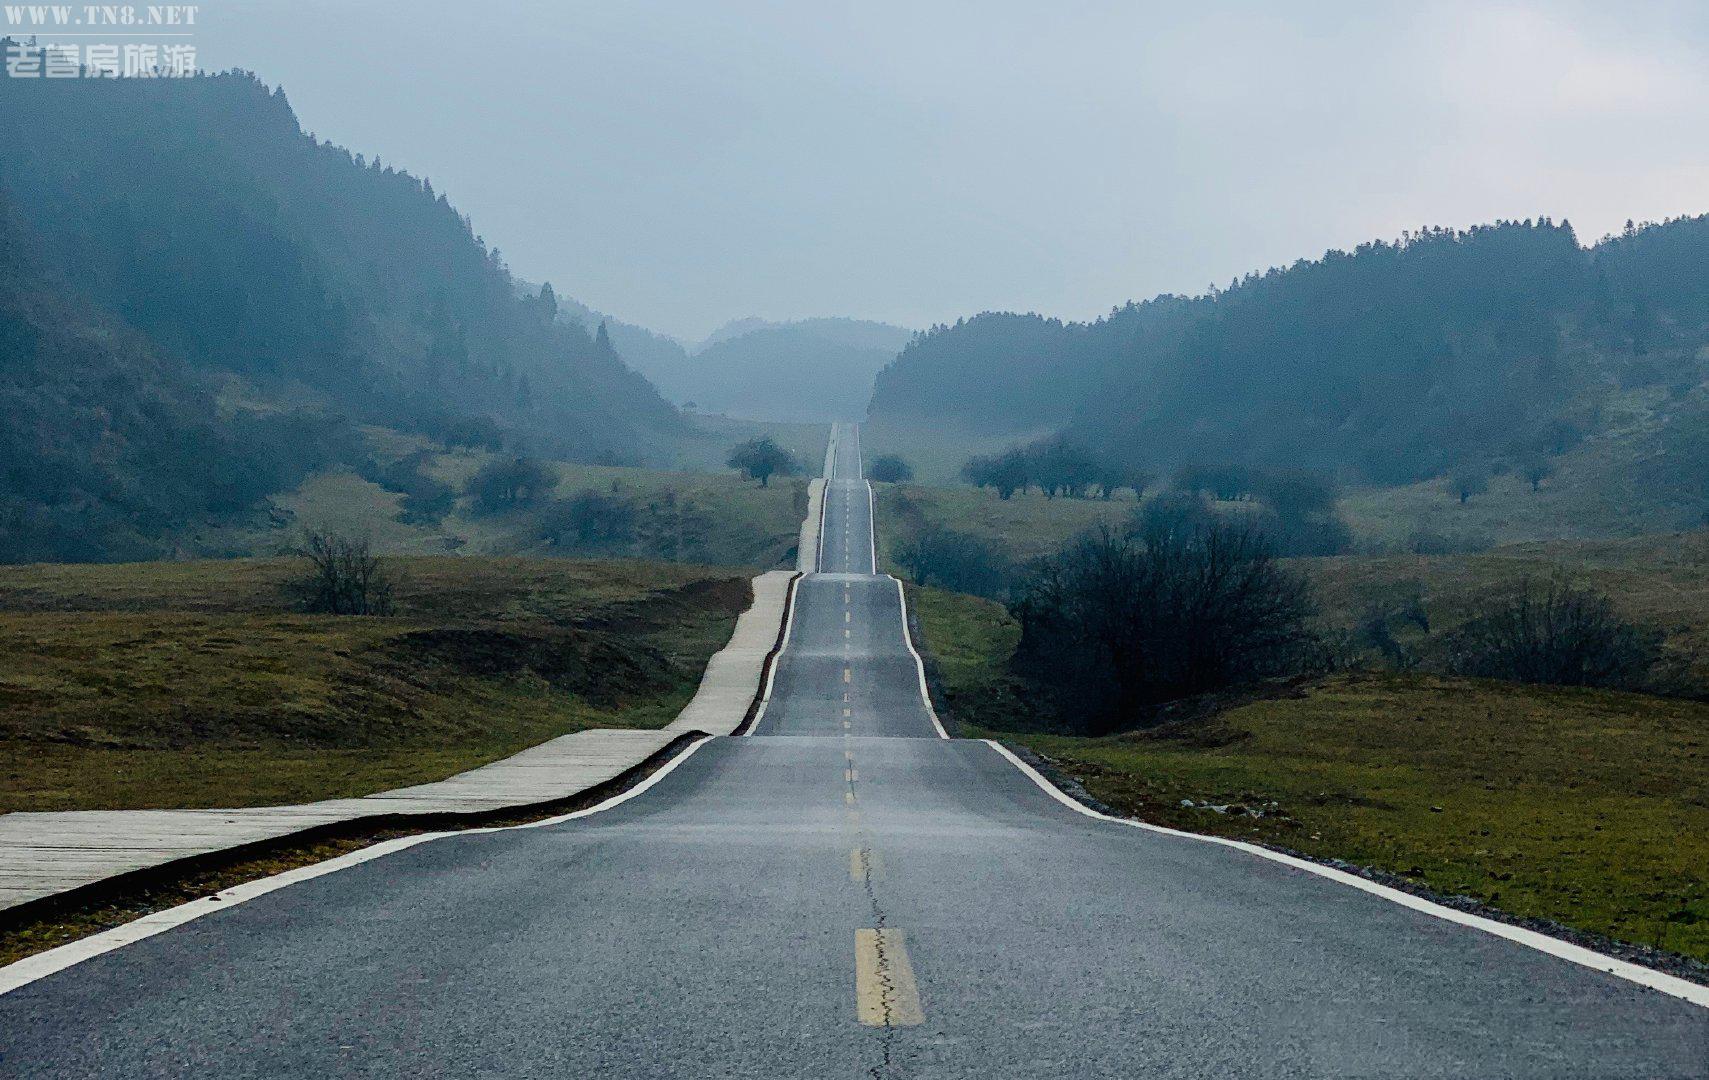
x=47, y=853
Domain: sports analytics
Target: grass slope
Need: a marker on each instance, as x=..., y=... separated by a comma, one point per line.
x=728, y=521
x=1585, y=807
x=1023, y=527
x=1608, y=486
x=1662, y=581
x=196, y=684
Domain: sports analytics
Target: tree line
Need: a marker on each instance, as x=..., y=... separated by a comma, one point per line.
x=1441, y=354
x=1055, y=466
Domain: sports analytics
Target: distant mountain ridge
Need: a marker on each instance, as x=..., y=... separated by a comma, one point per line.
x=812, y=370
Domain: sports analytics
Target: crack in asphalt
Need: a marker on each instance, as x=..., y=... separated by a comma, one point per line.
x=886, y=984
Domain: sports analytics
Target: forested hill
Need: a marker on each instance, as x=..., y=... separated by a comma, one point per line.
x=1390, y=363
x=640, y=348
x=203, y=242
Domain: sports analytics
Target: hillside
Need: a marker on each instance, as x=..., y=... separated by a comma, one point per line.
x=800, y=372
x=201, y=684
x=640, y=348
x=207, y=324
x=1392, y=364
x=109, y=441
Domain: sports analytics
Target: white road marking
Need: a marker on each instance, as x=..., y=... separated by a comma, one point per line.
x=777, y=661
x=23, y=972
x=919, y=664
x=1695, y=993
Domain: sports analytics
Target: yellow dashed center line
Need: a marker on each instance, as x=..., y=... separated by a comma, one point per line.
x=864, y=866
x=886, y=994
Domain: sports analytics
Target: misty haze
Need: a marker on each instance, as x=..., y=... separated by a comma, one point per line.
x=678, y=540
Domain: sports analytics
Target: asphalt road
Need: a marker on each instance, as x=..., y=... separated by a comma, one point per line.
x=843, y=894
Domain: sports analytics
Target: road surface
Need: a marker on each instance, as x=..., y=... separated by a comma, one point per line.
x=842, y=894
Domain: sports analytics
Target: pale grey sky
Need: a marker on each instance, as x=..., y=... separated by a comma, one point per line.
x=680, y=164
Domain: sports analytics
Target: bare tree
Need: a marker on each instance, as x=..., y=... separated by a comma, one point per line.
x=1556, y=633
x=1121, y=622
x=343, y=576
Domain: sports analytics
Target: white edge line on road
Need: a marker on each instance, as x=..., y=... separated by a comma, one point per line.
x=1672, y=985
x=819, y=545
x=872, y=524
x=777, y=658
x=919, y=664
x=830, y=449
x=824, y=495
x=21, y=973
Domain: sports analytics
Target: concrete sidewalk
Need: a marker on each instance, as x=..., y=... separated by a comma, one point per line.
x=49, y=853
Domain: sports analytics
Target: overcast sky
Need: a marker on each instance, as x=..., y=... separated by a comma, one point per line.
x=681, y=164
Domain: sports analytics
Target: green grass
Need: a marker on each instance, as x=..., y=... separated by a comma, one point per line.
x=708, y=450
x=1587, y=807
x=729, y=521
x=1603, y=488
x=1661, y=581
x=1023, y=527
x=195, y=684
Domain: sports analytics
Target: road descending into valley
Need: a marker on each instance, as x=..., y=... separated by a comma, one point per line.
x=842, y=893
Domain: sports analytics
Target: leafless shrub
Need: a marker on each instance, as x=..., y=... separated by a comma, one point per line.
x=1121, y=622
x=342, y=576
x=1556, y=633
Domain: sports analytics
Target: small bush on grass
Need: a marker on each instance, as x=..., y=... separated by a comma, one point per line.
x=890, y=469
x=1555, y=633
x=342, y=576
x=509, y=485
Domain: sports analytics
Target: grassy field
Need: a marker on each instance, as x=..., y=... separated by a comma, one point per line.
x=1662, y=581
x=1023, y=527
x=196, y=684
x=726, y=521
x=1585, y=807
